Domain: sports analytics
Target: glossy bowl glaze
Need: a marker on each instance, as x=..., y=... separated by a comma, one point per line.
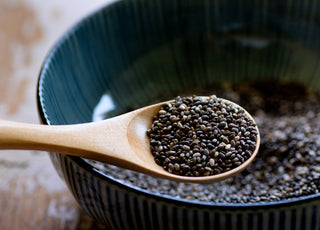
x=134, y=52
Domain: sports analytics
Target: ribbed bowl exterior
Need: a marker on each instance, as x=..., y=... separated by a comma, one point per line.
x=138, y=51
x=120, y=207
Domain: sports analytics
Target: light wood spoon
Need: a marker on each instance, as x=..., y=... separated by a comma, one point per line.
x=121, y=141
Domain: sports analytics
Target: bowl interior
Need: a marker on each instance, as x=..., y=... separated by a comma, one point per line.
x=168, y=48
x=133, y=53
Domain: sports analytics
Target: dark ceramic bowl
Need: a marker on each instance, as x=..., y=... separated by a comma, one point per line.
x=140, y=51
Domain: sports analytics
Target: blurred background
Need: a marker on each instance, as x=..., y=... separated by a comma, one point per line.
x=32, y=196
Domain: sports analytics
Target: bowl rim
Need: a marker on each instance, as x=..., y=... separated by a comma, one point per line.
x=81, y=163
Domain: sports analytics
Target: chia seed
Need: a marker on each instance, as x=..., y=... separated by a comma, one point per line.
x=287, y=165
x=210, y=125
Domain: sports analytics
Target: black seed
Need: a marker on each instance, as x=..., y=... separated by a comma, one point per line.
x=186, y=147
x=206, y=152
x=223, y=125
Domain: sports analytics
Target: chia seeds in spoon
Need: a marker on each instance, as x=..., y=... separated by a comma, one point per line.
x=201, y=136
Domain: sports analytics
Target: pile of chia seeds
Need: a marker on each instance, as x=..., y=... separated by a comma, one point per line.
x=288, y=162
x=201, y=136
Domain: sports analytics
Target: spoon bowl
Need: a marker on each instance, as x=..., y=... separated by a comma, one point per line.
x=121, y=141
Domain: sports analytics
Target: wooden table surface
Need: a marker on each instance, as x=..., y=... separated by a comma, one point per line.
x=32, y=196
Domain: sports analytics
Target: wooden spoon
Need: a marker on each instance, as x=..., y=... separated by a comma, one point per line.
x=121, y=141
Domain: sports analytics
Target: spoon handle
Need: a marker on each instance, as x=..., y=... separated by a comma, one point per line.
x=16, y=135
x=101, y=141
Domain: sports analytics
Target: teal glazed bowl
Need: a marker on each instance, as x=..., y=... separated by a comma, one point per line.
x=136, y=52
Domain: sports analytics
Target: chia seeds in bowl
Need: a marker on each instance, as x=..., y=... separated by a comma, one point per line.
x=287, y=165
